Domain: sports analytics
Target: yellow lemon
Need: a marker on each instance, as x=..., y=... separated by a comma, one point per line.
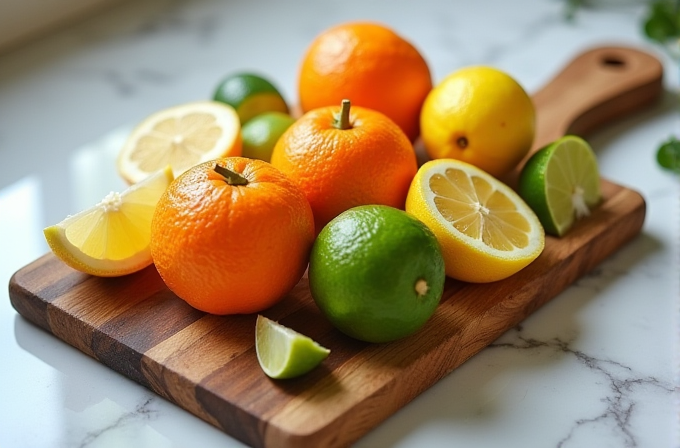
x=486, y=231
x=479, y=115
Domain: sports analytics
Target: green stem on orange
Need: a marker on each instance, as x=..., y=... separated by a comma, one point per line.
x=231, y=177
x=342, y=120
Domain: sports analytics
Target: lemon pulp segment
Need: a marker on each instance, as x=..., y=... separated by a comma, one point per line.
x=180, y=136
x=112, y=237
x=477, y=210
x=177, y=141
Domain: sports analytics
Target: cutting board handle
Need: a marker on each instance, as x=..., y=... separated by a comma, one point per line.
x=596, y=87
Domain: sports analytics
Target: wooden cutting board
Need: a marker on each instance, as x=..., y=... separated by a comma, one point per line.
x=207, y=364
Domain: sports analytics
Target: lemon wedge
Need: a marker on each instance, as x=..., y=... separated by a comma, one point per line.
x=486, y=231
x=111, y=238
x=283, y=352
x=181, y=136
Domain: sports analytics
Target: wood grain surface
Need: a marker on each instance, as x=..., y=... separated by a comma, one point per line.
x=207, y=364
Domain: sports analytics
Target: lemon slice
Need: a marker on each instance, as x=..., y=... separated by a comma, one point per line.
x=180, y=136
x=283, y=352
x=561, y=183
x=111, y=238
x=486, y=231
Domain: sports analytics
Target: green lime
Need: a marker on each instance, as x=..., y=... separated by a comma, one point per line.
x=561, y=183
x=261, y=133
x=250, y=95
x=376, y=273
x=283, y=352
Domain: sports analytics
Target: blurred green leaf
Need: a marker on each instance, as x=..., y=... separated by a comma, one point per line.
x=668, y=155
x=663, y=20
x=571, y=7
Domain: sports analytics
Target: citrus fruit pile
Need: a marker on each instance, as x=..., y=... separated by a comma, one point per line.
x=233, y=198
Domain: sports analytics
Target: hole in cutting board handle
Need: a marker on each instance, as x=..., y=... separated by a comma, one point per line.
x=613, y=61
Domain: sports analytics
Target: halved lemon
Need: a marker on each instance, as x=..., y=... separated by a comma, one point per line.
x=111, y=238
x=180, y=136
x=486, y=231
x=283, y=352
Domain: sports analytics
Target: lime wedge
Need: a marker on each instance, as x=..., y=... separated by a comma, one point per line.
x=283, y=352
x=561, y=183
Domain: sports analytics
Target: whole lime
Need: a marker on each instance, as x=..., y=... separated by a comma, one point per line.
x=250, y=94
x=261, y=133
x=376, y=273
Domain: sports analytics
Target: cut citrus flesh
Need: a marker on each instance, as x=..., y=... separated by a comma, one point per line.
x=487, y=232
x=111, y=238
x=283, y=352
x=180, y=136
x=561, y=183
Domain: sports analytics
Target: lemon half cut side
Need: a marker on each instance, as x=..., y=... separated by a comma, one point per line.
x=111, y=238
x=181, y=136
x=486, y=231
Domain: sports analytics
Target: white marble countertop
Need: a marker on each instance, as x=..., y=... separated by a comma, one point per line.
x=595, y=367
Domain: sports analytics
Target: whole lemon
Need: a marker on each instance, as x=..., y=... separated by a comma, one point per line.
x=479, y=115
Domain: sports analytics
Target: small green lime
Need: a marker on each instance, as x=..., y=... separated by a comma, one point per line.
x=283, y=352
x=261, y=133
x=376, y=273
x=561, y=183
x=250, y=95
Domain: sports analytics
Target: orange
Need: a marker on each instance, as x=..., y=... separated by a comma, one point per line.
x=232, y=236
x=372, y=66
x=343, y=158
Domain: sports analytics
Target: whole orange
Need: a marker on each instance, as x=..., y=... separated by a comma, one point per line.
x=232, y=236
x=342, y=157
x=372, y=66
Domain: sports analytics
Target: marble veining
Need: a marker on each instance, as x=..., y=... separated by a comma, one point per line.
x=143, y=413
x=620, y=385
